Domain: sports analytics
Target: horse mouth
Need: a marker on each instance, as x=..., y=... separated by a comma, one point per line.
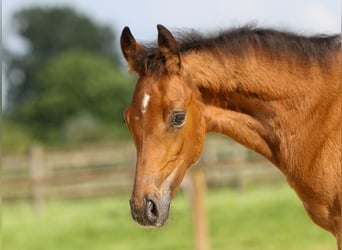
x=153, y=212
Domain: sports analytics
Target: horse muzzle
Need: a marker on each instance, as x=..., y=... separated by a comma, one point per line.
x=152, y=211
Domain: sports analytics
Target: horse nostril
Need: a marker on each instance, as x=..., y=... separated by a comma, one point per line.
x=151, y=211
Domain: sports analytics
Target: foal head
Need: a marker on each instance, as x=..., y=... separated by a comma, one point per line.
x=166, y=124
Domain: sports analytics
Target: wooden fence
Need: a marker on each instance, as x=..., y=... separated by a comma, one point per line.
x=109, y=169
x=68, y=173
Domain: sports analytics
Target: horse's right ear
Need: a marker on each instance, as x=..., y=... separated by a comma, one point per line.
x=130, y=48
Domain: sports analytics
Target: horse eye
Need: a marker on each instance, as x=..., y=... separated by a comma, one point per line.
x=177, y=119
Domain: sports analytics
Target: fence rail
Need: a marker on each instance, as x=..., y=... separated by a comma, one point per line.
x=109, y=170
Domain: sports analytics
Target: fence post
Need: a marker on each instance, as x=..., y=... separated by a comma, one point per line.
x=37, y=176
x=199, y=190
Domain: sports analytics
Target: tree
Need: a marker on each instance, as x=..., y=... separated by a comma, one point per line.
x=49, y=32
x=73, y=83
x=69, y=78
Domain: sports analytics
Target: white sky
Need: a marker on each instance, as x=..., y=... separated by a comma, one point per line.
x=303, y=16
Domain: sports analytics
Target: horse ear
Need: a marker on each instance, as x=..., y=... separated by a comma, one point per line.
x=169, y=49
x=130, y=48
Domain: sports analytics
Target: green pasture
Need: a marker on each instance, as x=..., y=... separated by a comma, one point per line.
x=259, y=218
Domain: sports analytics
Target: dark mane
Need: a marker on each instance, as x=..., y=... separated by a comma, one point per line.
x=241, y=41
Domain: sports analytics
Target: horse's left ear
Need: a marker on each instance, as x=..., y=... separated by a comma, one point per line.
x=130, y=48
x=169, y=49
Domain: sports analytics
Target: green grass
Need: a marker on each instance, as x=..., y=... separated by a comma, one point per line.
x=259, y=218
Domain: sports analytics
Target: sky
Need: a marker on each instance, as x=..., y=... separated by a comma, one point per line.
x=142, y=16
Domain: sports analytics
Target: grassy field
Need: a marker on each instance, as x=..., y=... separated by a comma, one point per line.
x=262, y=218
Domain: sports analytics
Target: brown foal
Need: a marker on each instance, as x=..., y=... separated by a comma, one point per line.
x=276, y=93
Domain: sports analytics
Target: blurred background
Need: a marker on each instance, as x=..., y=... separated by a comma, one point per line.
x=68, y=161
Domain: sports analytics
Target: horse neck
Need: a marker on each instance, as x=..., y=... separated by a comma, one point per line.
x=258, y=101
